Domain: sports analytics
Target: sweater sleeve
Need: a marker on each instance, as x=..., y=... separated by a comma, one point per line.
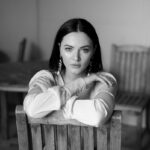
x=98, y=109
x=44, y=96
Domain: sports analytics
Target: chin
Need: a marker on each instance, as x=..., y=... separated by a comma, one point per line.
x=77, y=72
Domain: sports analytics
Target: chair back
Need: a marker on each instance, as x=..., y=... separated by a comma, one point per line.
x=56, y=133
x=130, y=65
x=22, y=48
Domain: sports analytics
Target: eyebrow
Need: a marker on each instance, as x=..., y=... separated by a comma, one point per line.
x=68, y=45
x=81, y=46
x=86, y=46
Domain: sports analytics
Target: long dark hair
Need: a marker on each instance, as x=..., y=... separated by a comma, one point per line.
x=75, y=25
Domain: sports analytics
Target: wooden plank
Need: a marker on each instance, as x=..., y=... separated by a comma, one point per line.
x=62, y=137
x=87, y=135
x=127, y=71
x=144, y=72
x=36, y=137
x=124, y=107
x=13, y=88
x=133, y=72
x=74, y=142
x=72, y=137
x=137, y=71
x=102, y=136
x=141, y=68
x=49, y=137
x=122, y=68
x=115, y=132
x=22, y=129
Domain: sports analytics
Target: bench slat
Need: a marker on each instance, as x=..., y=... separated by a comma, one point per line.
x=62, y=137
x=68, y=136
x=74, y=138
x=102, y=138
x=87, y=135
x=36, y=137
x=49, y=137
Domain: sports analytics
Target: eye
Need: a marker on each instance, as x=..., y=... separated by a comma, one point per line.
x=86, y=50
x=68, y=49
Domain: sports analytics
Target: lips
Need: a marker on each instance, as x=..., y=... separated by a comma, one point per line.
x=76, y=65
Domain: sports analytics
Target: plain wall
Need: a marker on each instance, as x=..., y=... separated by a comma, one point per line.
x=116, y=21
x=18, y=19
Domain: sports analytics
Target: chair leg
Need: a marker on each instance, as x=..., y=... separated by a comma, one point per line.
x=146, y=132
x=148, y=117
x=145, y=139
x=4, y=125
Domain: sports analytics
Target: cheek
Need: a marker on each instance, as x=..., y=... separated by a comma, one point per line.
x=87, y=58
x=86, y=62
x=66, y=57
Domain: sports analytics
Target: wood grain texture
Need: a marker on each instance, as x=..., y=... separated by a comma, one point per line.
x=130, y=65
x=48, y=135
x=22, y=129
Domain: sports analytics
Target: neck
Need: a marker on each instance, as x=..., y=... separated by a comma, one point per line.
x=68, y=77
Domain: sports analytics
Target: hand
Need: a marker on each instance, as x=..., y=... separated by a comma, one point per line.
x=97, y=77
x=80, y=84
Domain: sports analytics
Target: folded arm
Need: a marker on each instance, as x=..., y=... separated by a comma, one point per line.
x=98, y=109
x=44, y=96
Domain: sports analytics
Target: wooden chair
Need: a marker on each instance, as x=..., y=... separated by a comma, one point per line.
x=56, y=133
x=22, y=48
x=130, y=67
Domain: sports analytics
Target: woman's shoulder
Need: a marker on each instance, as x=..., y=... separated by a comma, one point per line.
x=43, y=74
x=108, y=76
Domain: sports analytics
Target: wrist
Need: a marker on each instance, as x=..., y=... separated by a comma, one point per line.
x=82, y=85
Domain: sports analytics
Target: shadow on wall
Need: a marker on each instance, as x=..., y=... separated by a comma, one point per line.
x=3, y=57
x=35, y=52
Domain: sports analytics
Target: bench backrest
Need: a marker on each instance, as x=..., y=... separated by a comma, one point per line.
x=130, y=65
x=56, y=133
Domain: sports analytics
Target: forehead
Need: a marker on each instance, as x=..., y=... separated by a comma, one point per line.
x=76, y=38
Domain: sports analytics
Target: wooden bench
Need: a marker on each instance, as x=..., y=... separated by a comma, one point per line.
x=130, y=65
x=56, y=133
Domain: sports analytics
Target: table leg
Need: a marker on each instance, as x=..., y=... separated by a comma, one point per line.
x=3, y=109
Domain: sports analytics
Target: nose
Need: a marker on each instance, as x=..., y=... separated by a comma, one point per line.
x=77, y=55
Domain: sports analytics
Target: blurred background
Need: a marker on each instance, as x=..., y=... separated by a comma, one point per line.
x=116, y=22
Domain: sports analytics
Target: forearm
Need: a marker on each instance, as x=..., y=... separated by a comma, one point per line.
x=91, y=112
x=38, y=103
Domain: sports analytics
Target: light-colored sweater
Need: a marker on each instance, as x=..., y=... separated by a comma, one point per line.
x=91, y=105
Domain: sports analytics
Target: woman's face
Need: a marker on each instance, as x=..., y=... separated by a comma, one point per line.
x=76, y=50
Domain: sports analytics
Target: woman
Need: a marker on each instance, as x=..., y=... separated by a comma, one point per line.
x=75, y=83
